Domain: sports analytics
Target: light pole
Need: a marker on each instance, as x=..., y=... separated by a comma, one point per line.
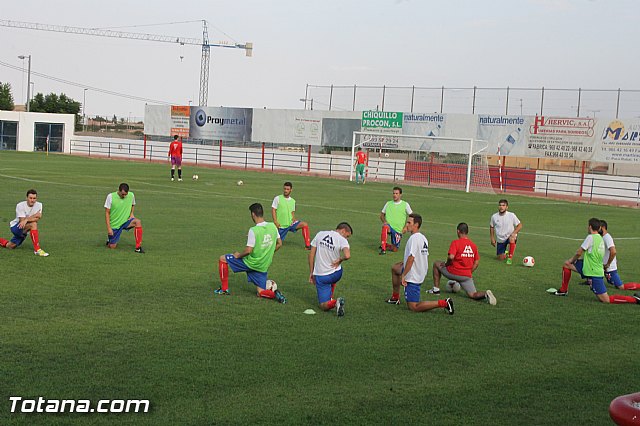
x=84, y=110
x=28, y=78
x=520, y=106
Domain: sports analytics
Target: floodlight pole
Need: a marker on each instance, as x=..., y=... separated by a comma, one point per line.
x=28, y=78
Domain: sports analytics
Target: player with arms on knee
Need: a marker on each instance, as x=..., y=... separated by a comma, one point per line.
x=28, y=214
x=588, y=262
x=411, y=272
x=462, y=260
x=328, y=250
x=503, y=230
x=283, y=212
x=118, y=210
x=262, y=242
x=393, y=217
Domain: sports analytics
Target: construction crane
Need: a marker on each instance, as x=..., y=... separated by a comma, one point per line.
x=204, y=43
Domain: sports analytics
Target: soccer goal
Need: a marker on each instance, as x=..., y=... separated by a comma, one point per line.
x=443, y=162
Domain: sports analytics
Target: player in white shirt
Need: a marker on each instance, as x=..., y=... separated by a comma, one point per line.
x=28, y=213
x=610, y=261
x=411, y=272
x=328, y=250
x=503, y=229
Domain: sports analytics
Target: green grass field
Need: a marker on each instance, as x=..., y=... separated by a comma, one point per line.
x=90, y=323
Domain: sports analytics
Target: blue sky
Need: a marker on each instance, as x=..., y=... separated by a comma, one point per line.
x=517, y=43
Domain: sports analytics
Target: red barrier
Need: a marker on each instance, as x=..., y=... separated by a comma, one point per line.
x=625, y=410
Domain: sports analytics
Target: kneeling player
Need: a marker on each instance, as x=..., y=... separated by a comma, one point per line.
x=262, y=242
x=28, y=213
x=328, y=250
x=591, y=267
x=119, y=216
x=462, y=260
x=393, y=216
x=411, y=272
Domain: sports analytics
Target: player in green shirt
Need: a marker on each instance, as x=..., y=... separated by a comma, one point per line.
x=119, y=217
x=393, y=216
x=283, y=211
x=588, y=263
x=262, y=242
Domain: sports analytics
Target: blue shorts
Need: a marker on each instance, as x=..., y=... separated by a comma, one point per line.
x=501, y=248
x=412, y=293
x=113, y=239
x=324, y=285
x=597, y=285
x=255, y=277
x=292, y=228
x=613, y=278
x=579, y=264
x=19, y=235
x=396, y=237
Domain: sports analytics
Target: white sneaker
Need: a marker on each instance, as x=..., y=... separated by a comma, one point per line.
x=179, y=179
x=172, y=179
x=491, y=299
x=435, y=290
x=41, y=253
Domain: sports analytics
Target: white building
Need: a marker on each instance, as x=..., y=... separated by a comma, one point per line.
x=30, y=131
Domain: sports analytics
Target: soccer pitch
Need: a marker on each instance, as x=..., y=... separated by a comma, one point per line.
x=91, y=323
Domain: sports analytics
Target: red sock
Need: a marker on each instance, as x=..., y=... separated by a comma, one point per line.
x=566, y=276
x=617, y=299
x=512, y=249
x=442, y=303
x=395, y=296
x=223, y=271
x=333, y=288
x=305, y=235
x=267, y=294
x=35, y=239
x=137, y=232
x=627, y=286
x=331, y=303
x=3, y=242
x=383, y=236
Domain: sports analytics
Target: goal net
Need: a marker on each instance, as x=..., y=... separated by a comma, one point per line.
x=443, y=162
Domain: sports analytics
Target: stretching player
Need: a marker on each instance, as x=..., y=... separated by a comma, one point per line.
x=503, y=229
x=591, y=267
x=411, y=272
x=328, y=250
x=393, y=216
x=175, y=153
x=283, y=211
x=462, y=260
x=28, y=213
x=611, y=262
x=119, y=216
x=255, y=259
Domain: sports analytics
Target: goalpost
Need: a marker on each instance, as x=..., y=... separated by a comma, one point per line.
x=455, y=163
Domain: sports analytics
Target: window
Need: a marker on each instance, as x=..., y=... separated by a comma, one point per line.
x=8, y=135
x=52, y=131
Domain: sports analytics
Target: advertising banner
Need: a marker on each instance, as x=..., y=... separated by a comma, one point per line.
x=560, y=137
x=180, y=120
x=232, y=124
x=619, y=141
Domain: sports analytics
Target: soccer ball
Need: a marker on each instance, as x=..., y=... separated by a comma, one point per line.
x=452, y=286
x=195, y=177
x=386, y=155
x=240, y=183
x=271, y=285
x=528, y=261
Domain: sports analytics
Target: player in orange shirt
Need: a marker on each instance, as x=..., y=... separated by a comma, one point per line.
x=361, y=162
x=175, y=153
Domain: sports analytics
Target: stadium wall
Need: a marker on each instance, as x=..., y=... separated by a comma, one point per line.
x=584, y=187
